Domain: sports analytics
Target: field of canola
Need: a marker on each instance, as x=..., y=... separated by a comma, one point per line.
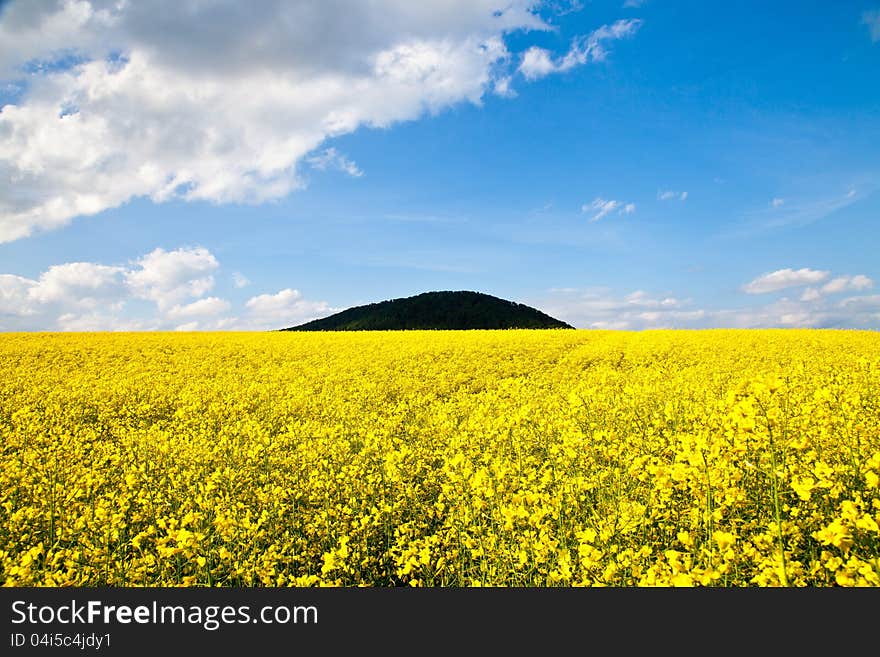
x=522, y=458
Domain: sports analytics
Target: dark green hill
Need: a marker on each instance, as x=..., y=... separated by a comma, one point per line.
x=436, y=310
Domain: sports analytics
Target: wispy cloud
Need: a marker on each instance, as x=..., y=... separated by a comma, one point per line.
x=669, y=195
x=780, y=213
x=601, y=208
x=538, y=62
x=330, y=158
x=502, y=87
x=417, y=218
x=239, y=280
x=871, y=18
x=809, y=211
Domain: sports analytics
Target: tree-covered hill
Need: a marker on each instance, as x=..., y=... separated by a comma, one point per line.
x=436, y=310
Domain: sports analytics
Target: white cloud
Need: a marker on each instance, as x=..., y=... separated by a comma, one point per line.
x=642, y=299
x=151, y=108
x=81, y=283
x=502, y=87
x=83, y=296
x=189, y=326
x=92, y=296
x=538, y=62
x=784, y=278
x=601, y=208
x=838, y=285
x=777, y=202
x=598, y=308
x=330, y=158
x=286, y=307
x=872, y=20
x=842, y=283
x=816, y=308
x=240, y=280
x=100, y=321
x=169, y=277
x=669, y=195
x=868, y=302
x=633, y=4
x=75, y=287
x=207, y=307
x=813, y=313
x=15, y=296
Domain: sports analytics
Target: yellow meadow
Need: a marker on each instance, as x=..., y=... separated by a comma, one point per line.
x=532, y=458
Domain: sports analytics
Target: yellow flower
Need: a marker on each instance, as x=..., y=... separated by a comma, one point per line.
x=836, y=534
x=803, y=486
x=724, y=540
x=682, y=580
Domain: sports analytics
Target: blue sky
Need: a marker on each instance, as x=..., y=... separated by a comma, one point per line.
x=628, y=165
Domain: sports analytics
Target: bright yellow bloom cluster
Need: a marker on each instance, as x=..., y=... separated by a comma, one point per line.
x=525, y=458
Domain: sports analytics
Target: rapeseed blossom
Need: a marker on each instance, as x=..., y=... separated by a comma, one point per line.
x=516, y=458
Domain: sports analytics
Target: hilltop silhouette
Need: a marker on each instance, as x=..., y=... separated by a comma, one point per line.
x=436, y=311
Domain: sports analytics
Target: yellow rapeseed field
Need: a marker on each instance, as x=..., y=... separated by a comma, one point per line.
x=521, y=458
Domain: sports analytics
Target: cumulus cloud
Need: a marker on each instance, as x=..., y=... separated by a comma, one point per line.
x=287, y=305
x=600, y=208
x=670, y=195
x=80, y=283
x=169, y=277
x=84, y=296
x=133, y=99
x=838, y=285
x=538, y=62
x=93, y=296
x=207, y=307
x=813, y=309
x=784, y=278
x=15, y=296
x=869, y=302
x=239, y=280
